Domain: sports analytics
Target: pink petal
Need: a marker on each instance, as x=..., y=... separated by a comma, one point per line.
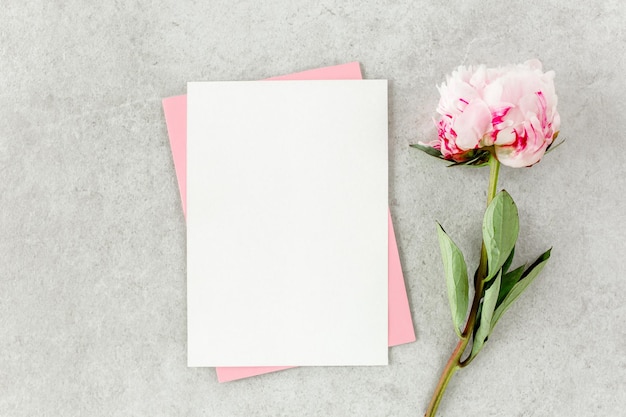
x=471, y=125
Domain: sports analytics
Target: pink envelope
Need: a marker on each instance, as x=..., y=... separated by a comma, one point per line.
x=400, y=321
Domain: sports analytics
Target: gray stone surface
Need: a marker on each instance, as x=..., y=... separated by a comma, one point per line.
x=92, y=237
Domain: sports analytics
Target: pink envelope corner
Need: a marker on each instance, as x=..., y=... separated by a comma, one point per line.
x=400, y=321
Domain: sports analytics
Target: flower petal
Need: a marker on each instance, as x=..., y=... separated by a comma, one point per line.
x=471, y=125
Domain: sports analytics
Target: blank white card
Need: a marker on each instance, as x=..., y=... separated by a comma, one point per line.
x=287, y=223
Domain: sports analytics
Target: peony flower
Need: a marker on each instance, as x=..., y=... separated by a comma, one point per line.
x=510, y=111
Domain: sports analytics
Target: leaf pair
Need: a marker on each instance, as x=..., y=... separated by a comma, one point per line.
x=500, y=230
x=518, y=280
x=498, y=297
x=501, y=286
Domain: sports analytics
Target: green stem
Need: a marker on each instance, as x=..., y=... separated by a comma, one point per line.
x=454, y=362
x=494, y=170
x=479, y=281
x=452, y=366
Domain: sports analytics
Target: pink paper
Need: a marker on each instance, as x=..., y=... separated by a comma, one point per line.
x=400, y=321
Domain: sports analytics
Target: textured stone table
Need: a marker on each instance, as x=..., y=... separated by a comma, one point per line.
x=92, y=237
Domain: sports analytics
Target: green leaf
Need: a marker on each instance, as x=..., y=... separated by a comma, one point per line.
x=553, y=146
x=478, y=159
x=428, y=149
x=488, y=306
x=500, y=230
x=508, y=281
x=508, y=262
x=456, y=279
x=527, y=277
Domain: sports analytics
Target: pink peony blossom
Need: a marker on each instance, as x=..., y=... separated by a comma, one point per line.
x=509, y=110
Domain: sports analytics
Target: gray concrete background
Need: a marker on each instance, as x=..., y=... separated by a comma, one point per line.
x=92, y=237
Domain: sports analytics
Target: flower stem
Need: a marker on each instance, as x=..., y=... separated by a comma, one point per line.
x=494, y=170
x=453, y=365
x=455, y=362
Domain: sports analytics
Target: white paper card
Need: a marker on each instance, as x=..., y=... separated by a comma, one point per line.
x=287, y=223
